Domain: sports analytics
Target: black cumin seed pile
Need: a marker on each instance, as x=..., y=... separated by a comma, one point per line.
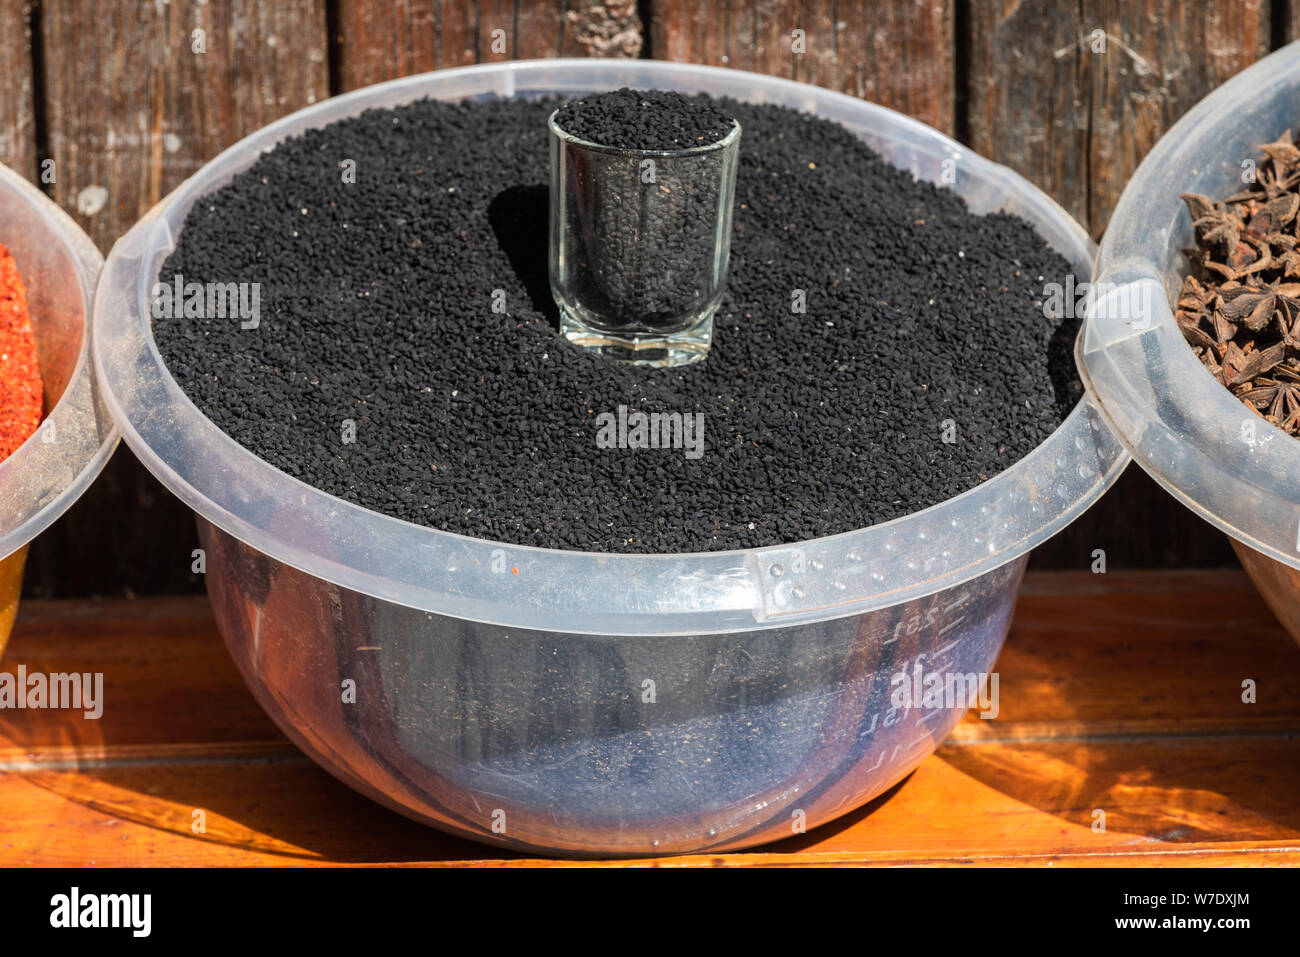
x=645, y=120
x=377, y=307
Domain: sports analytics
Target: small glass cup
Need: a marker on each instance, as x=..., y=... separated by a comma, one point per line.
x=640, y=241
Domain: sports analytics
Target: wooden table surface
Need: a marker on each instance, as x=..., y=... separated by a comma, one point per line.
x=1120, y=693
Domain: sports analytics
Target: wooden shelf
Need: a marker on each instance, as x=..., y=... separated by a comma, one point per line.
x=1119, y=692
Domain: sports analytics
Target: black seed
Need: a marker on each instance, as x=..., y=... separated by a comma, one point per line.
x=376, y=306
x=645, y=120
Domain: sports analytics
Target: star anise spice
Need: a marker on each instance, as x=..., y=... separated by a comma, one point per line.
x=1279, y=394
x=1239, y=309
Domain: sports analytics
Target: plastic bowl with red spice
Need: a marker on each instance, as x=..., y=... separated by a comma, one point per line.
x=55, y=434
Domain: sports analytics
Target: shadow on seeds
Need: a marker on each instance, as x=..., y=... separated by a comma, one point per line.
x=1061, y=368
x=518, y=215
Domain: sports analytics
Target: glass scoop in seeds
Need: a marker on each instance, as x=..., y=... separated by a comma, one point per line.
x=642, y=195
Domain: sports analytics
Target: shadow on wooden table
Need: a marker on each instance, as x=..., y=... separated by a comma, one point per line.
x=183, y=767
x=286, y=812
x=1131, y=698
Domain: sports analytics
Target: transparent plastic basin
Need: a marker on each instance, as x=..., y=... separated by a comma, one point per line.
x=1220, y=459
x=602, y=704
x=46, y=474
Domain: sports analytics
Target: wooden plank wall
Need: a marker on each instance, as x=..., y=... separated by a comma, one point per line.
x=128, y=99
x=17, y=98
x=135, y=97
x=901, y=53
x=1073, y=96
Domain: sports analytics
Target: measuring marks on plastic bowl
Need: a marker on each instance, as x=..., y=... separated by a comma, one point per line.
x=933, y=658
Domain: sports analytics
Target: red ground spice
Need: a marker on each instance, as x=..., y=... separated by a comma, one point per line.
x=21, y=395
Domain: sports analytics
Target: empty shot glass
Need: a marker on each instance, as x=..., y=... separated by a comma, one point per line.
x=639, y=245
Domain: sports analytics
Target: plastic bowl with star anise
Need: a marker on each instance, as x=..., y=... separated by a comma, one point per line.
x=1192, y=340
